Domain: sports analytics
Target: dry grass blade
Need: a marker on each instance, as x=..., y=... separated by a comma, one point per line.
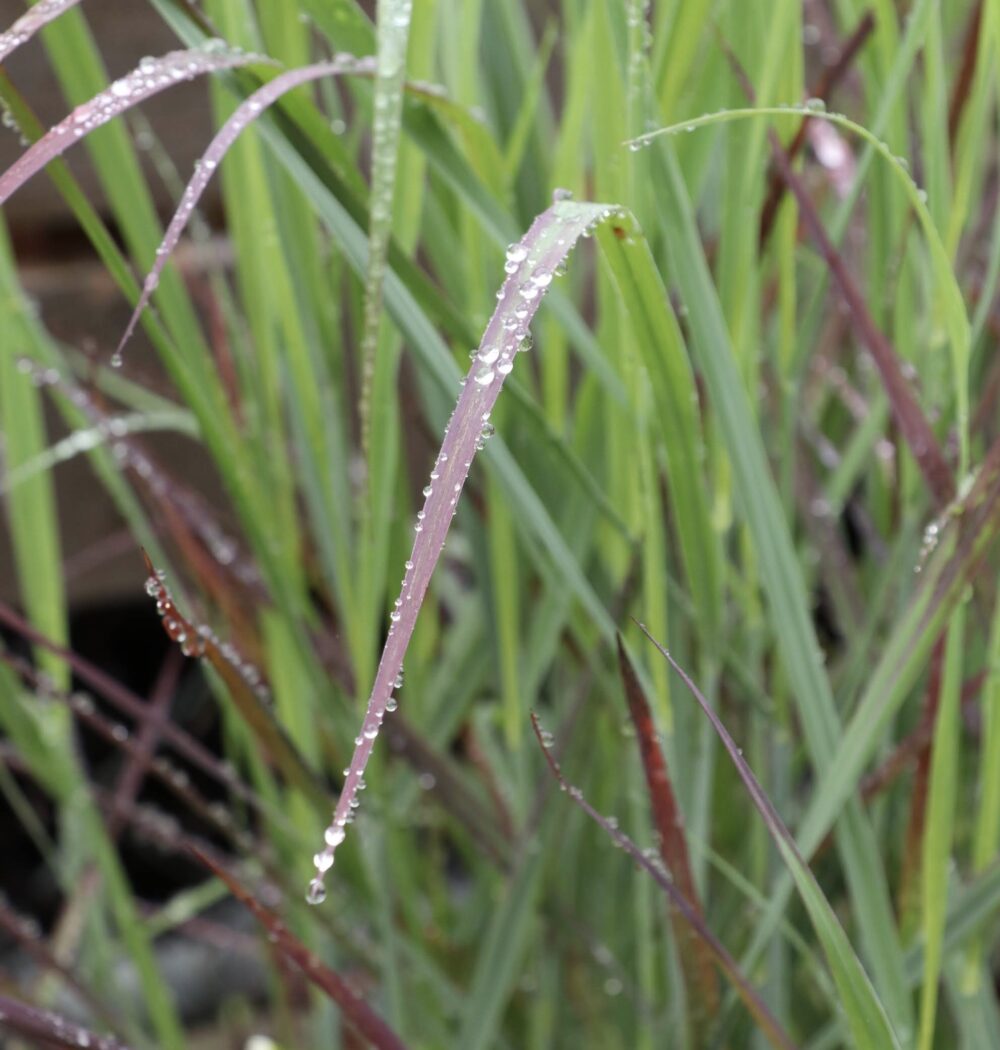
x=769, y=1024
x=357, y=1012
x=696, y=959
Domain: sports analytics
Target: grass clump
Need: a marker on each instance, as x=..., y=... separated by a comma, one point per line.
x=736, y=383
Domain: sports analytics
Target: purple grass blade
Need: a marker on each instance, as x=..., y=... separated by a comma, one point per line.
x=246, y=113
x=689, y=911
x=530, y=266
x=150, y=77
x=30, y=22
x=50, y=1029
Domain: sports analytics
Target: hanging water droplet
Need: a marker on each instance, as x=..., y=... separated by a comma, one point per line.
x=316, y=893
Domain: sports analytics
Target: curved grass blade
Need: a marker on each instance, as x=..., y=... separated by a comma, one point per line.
x=248, y=691
x=951, y=303
x=865, y=1014
x=531, y=265
x=912, y=423
x=769, y=1024
x=244, y=114
x=150, y=77
x=30, y=22
x=357, y=1012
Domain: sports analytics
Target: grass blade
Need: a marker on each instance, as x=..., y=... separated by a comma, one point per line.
x=865, y=1014
x=245, y=113
x=727, y=964
x=696, y=959
x=50, y=1028
x=30, y=22
x=152, y=76
x=531, y=265
x=358, y=1013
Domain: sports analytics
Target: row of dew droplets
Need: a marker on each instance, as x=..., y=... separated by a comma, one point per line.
x=199, y=641
x=392, y=35
x=529, y=273
x=244, y=114
x=30, y=22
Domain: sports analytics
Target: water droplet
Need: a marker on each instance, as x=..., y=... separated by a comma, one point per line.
x=815, y=105
x=316, y=893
